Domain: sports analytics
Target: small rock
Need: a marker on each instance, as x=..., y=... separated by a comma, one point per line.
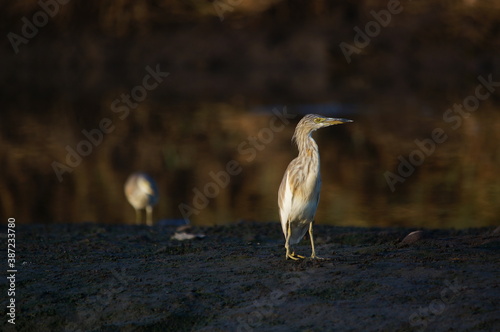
x=181, y=236
x=413, y=237
x=183, y=228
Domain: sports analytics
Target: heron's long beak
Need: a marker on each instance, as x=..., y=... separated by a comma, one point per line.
x=334, y=121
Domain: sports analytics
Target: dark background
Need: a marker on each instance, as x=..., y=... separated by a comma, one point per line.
x=225, y=77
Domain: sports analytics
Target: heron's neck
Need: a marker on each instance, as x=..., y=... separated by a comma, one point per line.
x=308, y=148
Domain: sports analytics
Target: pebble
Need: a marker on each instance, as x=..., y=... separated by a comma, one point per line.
x=413, y=237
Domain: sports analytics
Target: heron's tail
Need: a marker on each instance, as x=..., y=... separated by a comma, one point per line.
x=298, y=232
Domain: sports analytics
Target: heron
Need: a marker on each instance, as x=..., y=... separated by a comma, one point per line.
x=299, y=191
x=142, y=193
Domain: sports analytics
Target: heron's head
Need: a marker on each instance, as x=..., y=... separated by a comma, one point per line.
x=312, y=122
x=146, y=185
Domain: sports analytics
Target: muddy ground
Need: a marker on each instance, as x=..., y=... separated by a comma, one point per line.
x=88, y=277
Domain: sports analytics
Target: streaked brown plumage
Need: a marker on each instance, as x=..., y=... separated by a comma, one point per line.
x=298, y=195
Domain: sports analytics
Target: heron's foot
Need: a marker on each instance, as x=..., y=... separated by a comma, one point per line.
x=294, y=256
x=298, y=256
x=313, y=256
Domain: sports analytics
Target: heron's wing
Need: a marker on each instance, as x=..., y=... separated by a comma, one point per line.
x=285, y=199
x=281, y=192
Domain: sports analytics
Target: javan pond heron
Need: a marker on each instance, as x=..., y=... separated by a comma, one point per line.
x=142, y=193
x=298, y=195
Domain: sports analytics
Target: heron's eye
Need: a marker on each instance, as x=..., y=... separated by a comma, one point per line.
x=318, y=120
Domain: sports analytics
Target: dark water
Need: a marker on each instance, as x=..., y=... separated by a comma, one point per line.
x=217, y=163
x=188, y=98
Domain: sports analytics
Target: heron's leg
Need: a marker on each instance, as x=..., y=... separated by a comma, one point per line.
x=287, y=240
x=287, y=243
x=149, y=213
x=313, y=254
x=137, y=216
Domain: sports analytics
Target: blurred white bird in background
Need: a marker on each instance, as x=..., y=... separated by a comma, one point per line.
x=142, y=193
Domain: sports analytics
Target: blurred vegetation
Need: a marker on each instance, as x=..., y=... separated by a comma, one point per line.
x=264, y=52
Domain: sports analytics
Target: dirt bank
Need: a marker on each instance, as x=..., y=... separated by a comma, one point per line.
x=129, y=278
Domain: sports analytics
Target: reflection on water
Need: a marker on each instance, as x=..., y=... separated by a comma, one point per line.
x=220, y=163
x=70, y=134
